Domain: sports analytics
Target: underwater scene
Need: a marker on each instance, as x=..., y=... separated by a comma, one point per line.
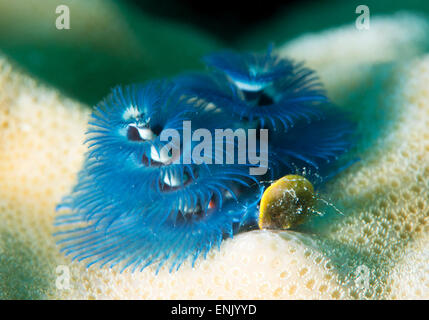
x=200, y=151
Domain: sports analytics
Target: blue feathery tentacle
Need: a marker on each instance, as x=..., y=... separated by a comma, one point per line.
x=312, y=144
x=130, y=119
x=273, y=90
x=264, y=90
x=250, y=71
x=138, y=205
x=135, y=243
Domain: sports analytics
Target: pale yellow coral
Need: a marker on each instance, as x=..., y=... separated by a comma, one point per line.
x=41, y=150
x=409, y=278
x=345, y=56
x=387, y=193
x=256, y=265
x=383, y=197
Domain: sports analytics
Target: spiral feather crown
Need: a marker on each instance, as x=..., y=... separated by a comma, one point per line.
x=137, y=203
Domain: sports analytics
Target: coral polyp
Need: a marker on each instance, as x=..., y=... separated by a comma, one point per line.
x=139, y=202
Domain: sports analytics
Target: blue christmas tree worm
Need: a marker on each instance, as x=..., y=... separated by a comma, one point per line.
x=138, y=203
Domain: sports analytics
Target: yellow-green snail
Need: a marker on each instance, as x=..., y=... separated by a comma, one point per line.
x=286, y=203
